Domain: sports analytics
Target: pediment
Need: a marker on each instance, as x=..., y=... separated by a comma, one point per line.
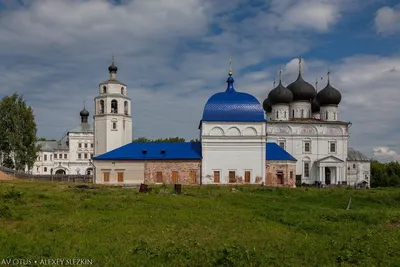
x=330, y=159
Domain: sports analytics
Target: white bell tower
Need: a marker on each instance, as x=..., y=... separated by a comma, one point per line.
x=112, y=115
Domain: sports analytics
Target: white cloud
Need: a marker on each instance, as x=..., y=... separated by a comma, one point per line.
x=386, y=153
x=387, y=20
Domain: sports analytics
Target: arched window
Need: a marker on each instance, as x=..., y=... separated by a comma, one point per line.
x=302, y=113
x=122, y=90
x=334, y=116
x=101, y=111
x=277, y=114
x=114, y=126
x=292, y=113
x=326, y=115
x=126, y=107
x=104, y=89
x=114, y=106
x=285, y=115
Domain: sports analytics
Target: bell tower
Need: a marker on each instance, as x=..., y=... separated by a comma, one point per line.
x=112, y=115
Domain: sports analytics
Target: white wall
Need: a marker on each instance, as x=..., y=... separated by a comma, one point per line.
x=235, y=147
x=329, y=113
x=106, y=137
x=133, y=171
x=358, y=171
x=280, y=112
x=294, y=134
x=299, y=108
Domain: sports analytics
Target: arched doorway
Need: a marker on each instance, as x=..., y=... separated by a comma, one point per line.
x=327, y=176
x=60, y=171
x=89, y=171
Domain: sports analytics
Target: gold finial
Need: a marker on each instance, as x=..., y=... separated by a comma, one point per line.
x=300, y=61
x=230, y=66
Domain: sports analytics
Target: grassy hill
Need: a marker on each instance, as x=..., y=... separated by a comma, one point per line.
x=205, y=226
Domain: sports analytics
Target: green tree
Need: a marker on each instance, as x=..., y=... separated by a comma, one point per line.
x=159, y=140
x=17, y=133
x=195, y=140
x=385, y=174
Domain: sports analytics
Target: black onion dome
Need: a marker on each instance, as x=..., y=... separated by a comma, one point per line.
x=329, y=96
x=267, y=105
x=113, y=68
x=84, y=113
x=315, y=106
x=302, y=90
x=280, y=95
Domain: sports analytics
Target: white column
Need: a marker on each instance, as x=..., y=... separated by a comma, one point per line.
x=323, y=175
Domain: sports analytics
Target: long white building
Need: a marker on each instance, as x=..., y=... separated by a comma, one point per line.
x=70, y=155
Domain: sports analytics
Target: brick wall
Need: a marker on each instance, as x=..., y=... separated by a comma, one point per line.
x=286, y=167
x=4, y=176
x=167, y=167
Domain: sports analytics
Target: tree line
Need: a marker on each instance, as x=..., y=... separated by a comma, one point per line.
x=385, y=174
x=163, y=140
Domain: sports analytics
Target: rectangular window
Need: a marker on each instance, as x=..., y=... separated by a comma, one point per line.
x=106, y=177
x=306, y=169
x=193, y=177
x=216, y=177
x=60, y=156
x=51, y=157
x=91, y=145
x=354, y=166
x=282, y=144
x=55, y=156
x=232, y=177
x=91, y=156
x=85, y=155
x=79, y=155
x=174, y=177
x=159, y=178
x=120, y=177
x=65, y=156
x=79, y=145
x=291, y=175
x=247, y=176
x=302, y=113
x=307, y=146
x=45, y=157
x=45, y=169
x=85, y=145
x=332, y=147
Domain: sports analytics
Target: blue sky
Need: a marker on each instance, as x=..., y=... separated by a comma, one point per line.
x=174, y=55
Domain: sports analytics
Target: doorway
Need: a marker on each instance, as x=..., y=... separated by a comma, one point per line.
x=327, y=176
x=60, y=171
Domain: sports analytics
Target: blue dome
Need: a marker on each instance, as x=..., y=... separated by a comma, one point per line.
x=233, y=106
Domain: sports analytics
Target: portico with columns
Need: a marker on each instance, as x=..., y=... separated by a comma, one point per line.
x=331, y=170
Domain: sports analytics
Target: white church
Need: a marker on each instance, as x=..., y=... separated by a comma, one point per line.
x=307, y=143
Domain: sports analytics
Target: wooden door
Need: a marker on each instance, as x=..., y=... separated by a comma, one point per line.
x=193, y=177
x=120, y=177
x=232, y=177
x=174, y=177
x=216, y=177
x=159, y=177
x=247, y=176
x=106, y=177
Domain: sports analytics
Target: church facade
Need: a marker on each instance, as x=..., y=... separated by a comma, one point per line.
x=306, y=124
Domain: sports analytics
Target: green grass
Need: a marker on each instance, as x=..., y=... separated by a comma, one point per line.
x=205, y=226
